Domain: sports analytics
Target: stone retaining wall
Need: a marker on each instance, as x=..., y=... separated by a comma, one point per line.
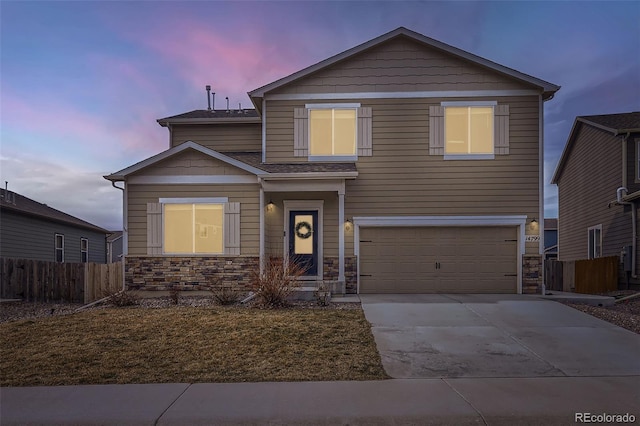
x=330, y=272
x=189, y=273
x=532, y=273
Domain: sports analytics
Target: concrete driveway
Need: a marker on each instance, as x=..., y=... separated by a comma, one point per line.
x=444, y=336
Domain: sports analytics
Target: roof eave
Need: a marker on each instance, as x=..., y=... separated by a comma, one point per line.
x=310, y=175
x=223, y=120
x=53, y=219
x=548, y=88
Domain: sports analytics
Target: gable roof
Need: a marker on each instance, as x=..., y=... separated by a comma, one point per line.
x=548, y=89
x=628, y=122
x=248, y=161
x=616, y=124
x=120, y=175
x=15, y=202
x=205, y=116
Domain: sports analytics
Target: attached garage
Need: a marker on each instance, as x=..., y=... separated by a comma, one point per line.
x=438, y=259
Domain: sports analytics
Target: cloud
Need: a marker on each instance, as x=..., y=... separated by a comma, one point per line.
x=83, y=194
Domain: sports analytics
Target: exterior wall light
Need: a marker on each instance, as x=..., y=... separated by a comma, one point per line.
x=348, y=225
x=270, y=206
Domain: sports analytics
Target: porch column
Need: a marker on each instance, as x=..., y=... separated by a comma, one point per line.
x=261, y=231
x=341, y=237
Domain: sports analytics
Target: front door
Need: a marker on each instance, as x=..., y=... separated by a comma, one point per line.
x=303, y=240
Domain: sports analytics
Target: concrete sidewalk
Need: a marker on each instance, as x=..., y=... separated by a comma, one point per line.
x=493, y=401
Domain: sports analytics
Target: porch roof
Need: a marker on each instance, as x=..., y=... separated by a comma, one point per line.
x=254, y=159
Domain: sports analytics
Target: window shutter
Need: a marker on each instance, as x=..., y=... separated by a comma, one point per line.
x=436, y=130
x=154, y=229
x=501, y=129
x=300, y=132
x=364, y=132
x=232, y=228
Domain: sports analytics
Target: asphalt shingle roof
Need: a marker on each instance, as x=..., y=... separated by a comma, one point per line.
x=255, y=159
x=216, y=113
x=22, y=204
x=628, y=121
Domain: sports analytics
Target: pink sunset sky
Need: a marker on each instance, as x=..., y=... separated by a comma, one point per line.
x=82, y=83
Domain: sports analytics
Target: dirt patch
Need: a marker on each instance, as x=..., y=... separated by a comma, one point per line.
x=624, y=314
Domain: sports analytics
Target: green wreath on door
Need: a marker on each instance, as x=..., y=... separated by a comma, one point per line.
x=306, y=234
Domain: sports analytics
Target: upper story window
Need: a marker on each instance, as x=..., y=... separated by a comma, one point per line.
x=84, y=250
x=59, y=247
x=332, y=132
x=193, y=228
x=468, y=130
x=595, y=241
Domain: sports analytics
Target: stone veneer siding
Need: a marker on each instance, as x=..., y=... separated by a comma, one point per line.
x=531, y=273
x=189, y=273
x=330, y=272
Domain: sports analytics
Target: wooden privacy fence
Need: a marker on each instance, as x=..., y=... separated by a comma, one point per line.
x=582, y=276
x=41, y=281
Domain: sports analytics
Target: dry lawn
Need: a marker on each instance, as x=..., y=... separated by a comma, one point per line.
x=189, y=345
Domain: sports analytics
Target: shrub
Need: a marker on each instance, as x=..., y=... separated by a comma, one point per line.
x=174, y=295
x=323, y=294
x=225, y=295
x=276, y=283
x=122, y=298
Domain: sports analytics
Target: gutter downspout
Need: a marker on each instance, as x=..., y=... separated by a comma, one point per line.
x=125, y=233
x=634, y=237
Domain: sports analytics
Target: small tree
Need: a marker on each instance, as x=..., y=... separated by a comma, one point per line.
x=276, y=282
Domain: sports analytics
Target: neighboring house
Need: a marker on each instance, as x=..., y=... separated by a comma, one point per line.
x=550, y=239
x=402, y=165
x=31, y=230
x=114, y=247
x=598, y=178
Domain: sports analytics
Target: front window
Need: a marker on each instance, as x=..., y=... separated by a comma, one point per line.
x=59, y=245
x=468, y=130
x=193, y=228
x=595, y=242
x=332, y=132
x=84, y=250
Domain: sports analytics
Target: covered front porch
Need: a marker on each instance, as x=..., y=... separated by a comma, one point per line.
x=303, y=220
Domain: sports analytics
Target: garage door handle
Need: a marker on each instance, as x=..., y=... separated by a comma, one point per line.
x=510, y=275
x=366, y=275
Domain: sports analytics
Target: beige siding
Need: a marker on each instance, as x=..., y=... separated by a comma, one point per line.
x=220, y=137
x=191, y=162
x=402, y=65
x=401, y=178
x=246, y=195
x=588, y=183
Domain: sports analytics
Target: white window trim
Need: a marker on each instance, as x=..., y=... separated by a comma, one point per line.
x=591, y=228
x=469, y=156
x=84, y=251
x=332, y=158
x=317, y=205
x=193, y=201
x=55, y=245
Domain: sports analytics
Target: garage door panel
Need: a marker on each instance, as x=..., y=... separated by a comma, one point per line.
x=471, y=260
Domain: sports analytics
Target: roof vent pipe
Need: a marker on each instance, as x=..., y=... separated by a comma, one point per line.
x=208, y=97
x=213, y=100
x=227, y=98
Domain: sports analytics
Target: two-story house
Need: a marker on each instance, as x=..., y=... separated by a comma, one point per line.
x=402, y=165
x=598, y=178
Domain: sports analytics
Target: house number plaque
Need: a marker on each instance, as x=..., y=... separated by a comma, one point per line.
x=532, y=238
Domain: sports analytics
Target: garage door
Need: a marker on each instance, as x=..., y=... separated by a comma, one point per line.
x=438, y=260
